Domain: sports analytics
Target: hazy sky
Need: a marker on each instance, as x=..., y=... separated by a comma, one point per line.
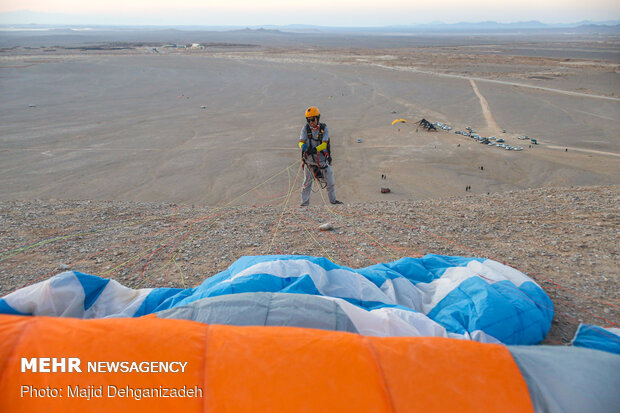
x=315, y=12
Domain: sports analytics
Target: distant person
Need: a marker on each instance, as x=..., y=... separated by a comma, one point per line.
x=313, y=142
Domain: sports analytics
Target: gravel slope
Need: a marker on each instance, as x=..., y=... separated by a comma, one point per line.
x=564, y=238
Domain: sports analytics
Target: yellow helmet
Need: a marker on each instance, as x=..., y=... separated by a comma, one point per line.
x=312, y=111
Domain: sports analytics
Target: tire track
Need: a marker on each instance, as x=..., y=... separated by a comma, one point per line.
x=486, y=110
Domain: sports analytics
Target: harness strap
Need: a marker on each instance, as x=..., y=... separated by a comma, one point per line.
x=316, y=172
x=319, y=138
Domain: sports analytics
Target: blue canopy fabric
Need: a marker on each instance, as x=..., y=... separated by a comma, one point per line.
x=471, y=298
x=598, y=338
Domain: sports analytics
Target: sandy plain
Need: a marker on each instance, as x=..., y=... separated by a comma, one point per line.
x=203, y=126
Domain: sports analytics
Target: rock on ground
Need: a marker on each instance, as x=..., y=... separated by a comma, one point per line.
x=566, y=239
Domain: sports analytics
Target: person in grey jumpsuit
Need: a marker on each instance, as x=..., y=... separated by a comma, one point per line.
x=313, y=140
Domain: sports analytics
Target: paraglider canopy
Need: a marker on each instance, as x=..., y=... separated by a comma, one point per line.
x=398, y=120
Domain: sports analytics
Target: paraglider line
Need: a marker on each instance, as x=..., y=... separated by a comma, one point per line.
x=104, y=250
x=331, y=210
x=290, y=192
x=485, y=255
x=225, y=206
x=317, y=242
x=71, y=234
x=180, y=272
x=586, y=311
x=372, y=241
x=342, y=254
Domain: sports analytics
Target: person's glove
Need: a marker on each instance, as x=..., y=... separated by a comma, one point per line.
x=304, y=147
x=311, y=151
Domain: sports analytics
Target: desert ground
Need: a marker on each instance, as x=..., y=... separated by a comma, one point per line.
x=148, y=123
x=147, y=127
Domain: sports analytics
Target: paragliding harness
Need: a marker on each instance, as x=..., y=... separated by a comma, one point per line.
x=317, y=171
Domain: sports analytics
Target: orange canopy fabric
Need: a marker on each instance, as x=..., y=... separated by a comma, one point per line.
x=253, y=369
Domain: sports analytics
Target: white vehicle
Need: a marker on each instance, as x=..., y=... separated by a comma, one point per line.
x=518, y=148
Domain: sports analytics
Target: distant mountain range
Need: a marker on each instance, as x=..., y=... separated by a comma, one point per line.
x=611, y=26
x=533, y=24
x=27, y=20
